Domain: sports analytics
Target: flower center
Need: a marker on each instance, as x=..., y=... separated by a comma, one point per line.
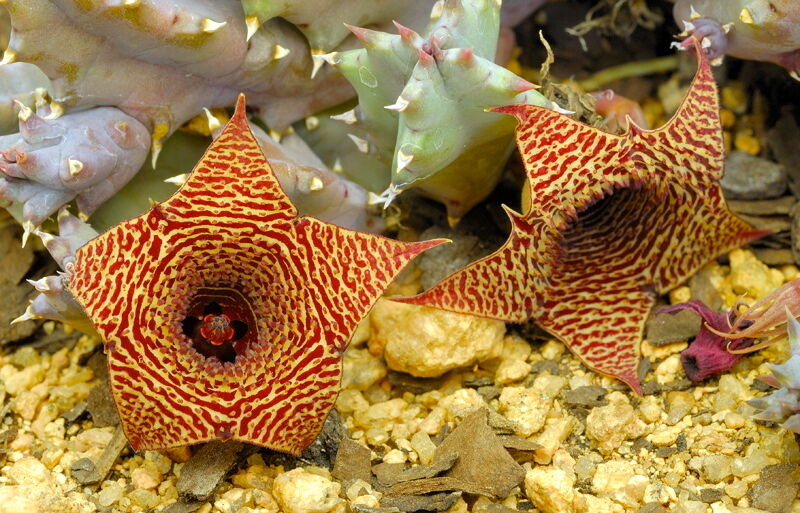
x=219, y=323
x=216, y=329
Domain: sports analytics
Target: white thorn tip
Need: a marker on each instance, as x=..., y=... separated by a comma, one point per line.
x=210, y=26
x=400, y=105
x=312, y=123
x=155, y=151
x=56, y=111
x=253, y=24
x=746, y=17
x=9, y=57
x=727, y=27
x=349, y=117
x=385, y=198
x=46, y=238
x=361, y=144
x=28, y=228
x=677, y=45
x=75, y=166
x=693, y=14
x=318, y=58
x=40, y=97
x=279, y=52
x=561, y=110
x=337, y=166
x=177, y=179
x=213, y=122
x=24, y=113
x=705, y=43
x=40, y=285
x=688, y=26
x=27, y=316
x=437, y=10
x=403, y=160
x=316, y=184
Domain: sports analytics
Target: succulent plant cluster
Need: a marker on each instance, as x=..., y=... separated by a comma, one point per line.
x=783, y=405
x=101, y=104
x=106, y=83
x=423, y=99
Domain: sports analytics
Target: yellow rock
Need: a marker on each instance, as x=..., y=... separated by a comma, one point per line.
x=552, y=490
x=426, y=342
x=727, y=118
x=751, y=277
x=790, y=272
x=746, y=142
x=734, y=97
x=680, y=294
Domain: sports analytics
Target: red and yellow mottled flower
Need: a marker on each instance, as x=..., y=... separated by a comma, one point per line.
x=224, y=313
x=611, y=221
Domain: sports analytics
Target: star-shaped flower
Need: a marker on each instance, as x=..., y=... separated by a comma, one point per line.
x=224, y=313
x=611, y=221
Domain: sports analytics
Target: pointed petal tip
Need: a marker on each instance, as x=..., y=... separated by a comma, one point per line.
x=518, y=110
x=753, y=234
x=630, y=379
x=418, y=300
x=241, y=107
x=432, y=243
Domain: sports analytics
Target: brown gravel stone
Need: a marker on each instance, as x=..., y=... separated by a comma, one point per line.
x=678, y=405
x=709, y=495
x=352, y=461
x=589, y=396
x=664, y=328
x=101, y=406
x=432, y=502
x=483, y=461
x=652, y=507
x=184, y=507
x=775, y=489
x=201, y=474
x=87, y=471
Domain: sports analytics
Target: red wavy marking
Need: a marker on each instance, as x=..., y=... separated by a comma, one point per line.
x=307, y=284
x=636, y=215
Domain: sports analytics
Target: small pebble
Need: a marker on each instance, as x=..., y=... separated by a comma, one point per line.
x=145, y=478
x=610, y=425
x=715, y=467
x=299, y=491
